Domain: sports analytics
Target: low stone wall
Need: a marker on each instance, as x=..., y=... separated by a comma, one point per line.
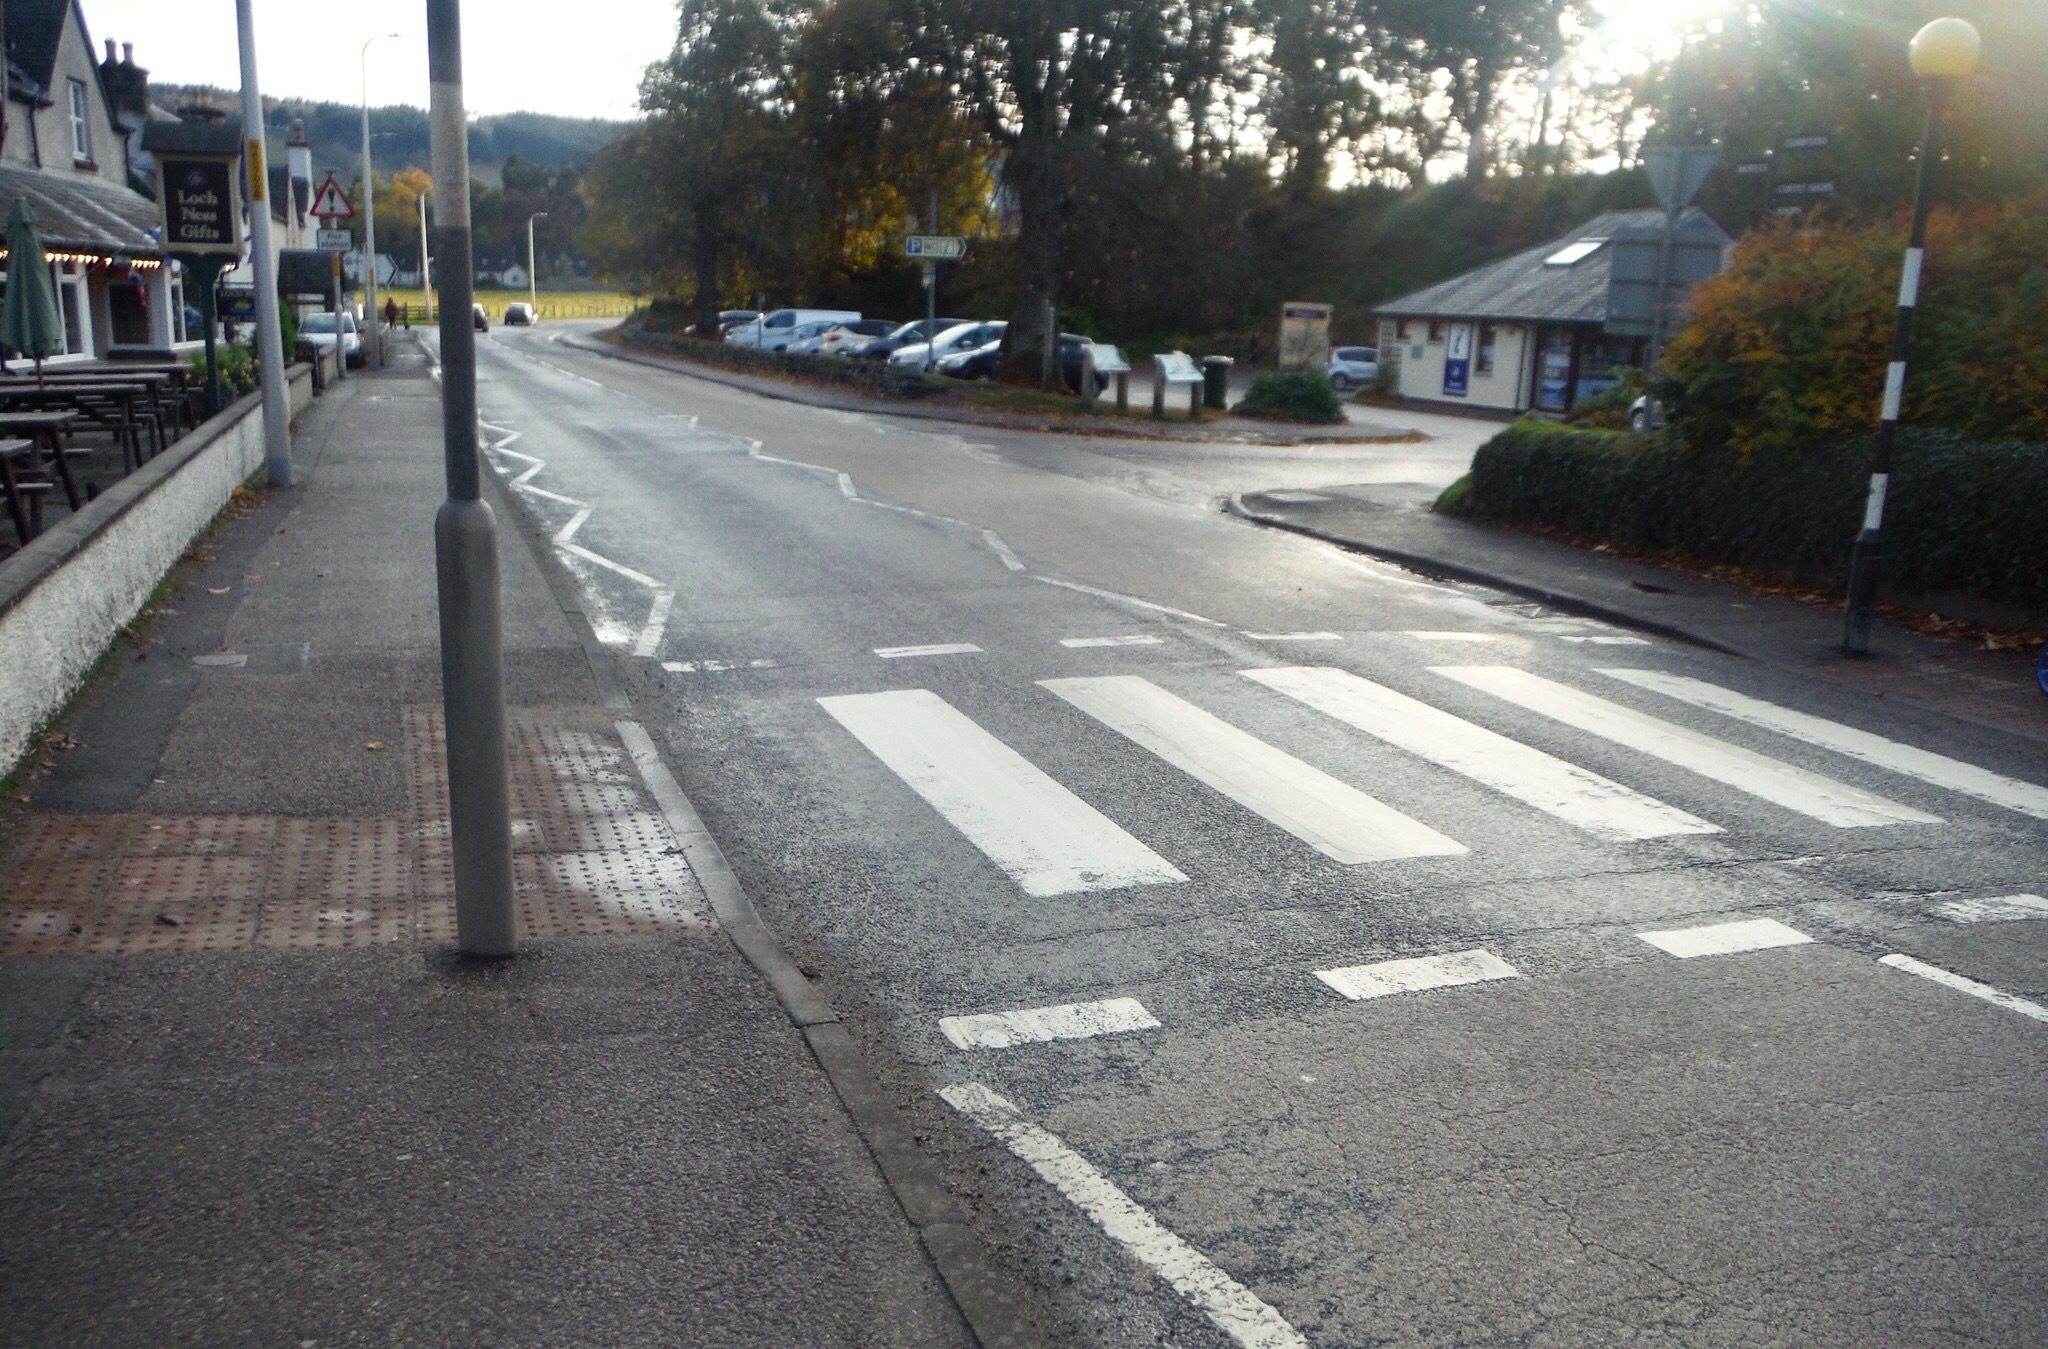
x=65, y=596
x=891, y=381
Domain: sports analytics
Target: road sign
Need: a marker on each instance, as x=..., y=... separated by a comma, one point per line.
x=1677, y=171
x=331, y=203
x=339, y=241
x=935, y=247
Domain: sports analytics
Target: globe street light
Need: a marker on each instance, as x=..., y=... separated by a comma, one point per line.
x=1944, y=50
x=376, y=343
x=533, y=264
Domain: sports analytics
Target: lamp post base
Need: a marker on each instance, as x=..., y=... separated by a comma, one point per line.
x=1865, y=565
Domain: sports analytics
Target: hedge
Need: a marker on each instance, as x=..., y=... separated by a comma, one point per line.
x=1295, y=395
x=1962, y=516
x=894, y=381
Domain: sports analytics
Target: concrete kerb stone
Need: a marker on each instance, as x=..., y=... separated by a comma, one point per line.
x=1445, y=569
x=67, y=594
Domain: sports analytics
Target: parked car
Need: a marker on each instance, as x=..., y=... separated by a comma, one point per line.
x=1645, y=414
x=801, y=340
x=950, y=342
x=771, y=331
x=479, y=319
x=1352, y=366
x=729, y=319
x=917, y=330
x=521, y=315
x=841, y=338
x=981, y=363
x=318, y=329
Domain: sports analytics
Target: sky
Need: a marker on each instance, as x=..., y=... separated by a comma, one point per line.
x=578, y=60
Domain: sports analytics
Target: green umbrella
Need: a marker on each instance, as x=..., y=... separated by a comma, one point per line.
x=28, y=316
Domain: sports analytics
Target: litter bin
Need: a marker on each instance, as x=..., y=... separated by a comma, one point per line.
x=1216, y=381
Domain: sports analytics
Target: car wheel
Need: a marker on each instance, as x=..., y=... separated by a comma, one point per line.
x=1639, y=420
x=1340, y=381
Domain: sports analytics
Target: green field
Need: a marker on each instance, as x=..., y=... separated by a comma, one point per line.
x=554, y=304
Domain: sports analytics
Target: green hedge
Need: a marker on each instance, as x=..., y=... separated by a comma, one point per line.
x=1963, y=516
x=1296, y=395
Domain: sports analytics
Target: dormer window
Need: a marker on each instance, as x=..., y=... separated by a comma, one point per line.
x=81, y=124
x=1574, y=251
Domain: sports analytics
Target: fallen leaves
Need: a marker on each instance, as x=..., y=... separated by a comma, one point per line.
x=376, y=745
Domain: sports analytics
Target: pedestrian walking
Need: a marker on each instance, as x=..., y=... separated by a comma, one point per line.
x=391, y=314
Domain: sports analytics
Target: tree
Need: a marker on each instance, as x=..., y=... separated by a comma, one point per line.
x=1472, y=51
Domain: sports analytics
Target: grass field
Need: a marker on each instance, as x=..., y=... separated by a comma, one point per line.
x=554, y=304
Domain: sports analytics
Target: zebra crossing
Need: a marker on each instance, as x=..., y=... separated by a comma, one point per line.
x=1050, y=842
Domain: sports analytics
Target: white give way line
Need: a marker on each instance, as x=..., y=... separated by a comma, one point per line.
x=647, y=641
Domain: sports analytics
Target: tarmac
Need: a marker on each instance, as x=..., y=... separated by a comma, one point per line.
x=250, y=1094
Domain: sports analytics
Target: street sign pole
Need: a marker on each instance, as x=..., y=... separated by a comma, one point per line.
x=931, y=291
x=466, y=544
x=277, y=427
x=1676, y=175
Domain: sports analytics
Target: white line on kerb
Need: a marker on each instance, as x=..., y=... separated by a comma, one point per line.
x=1955, y=775
x=1383, y=977
x=1137, y=640
x=1229, y=1305
x=935, y=649
x=2000, y=909
x=1724, y=939
x=1036, y=1025
x=1333, y=817
x=1950, y=979
x=1573, y=794
x=1782, y=784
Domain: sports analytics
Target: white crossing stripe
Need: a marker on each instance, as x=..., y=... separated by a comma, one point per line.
x=1295, y=636
x=1112, y=641
x=1940, y=770
x=1421, y=972
x=1044, y=837
x=1035, y=1025
x=2001, y=909
x=936, y=649
x=1950, y=979
x=1334, y=818
x=1725, y=939
x=1454, y=636
x=1229, y=1305
x=1782, y=784
x=1571, y=793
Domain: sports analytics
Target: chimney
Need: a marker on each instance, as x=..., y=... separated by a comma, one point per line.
x=110, y=51
x=127, y=53
x=127, y=84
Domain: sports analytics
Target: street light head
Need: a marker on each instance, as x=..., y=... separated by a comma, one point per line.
x=1945, y=49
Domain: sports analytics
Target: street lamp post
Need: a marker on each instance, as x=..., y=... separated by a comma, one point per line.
x=1944, y=50
x=270, y=352
x=533, y=265
x=426, y=277
x=370, y=212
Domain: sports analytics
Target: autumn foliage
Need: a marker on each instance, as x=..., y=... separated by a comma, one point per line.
x=1788, y=346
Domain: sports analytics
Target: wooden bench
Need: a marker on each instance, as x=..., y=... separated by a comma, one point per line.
x=24, y=491
x=48, y=430
x=113, y=406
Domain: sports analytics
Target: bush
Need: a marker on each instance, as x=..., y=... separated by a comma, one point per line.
x=1963, y=515
x=1298, y=395
x=1608, y=409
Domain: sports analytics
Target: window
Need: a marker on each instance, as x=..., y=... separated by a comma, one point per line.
x=1401, y=330
x=1487, y=338
x=81, y=124
x=1575, y=251
x=1436, y=330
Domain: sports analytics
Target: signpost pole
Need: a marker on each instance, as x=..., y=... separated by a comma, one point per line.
x=277, y=428
x=931, y=290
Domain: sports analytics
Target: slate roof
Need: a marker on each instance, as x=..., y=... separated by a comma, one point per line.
x=80, y=213
x=34, y=28
x=1525, y=289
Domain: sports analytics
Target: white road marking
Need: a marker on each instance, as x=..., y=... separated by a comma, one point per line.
x=542, y=492
x=936, y=649
x=1002, y=550
x=1041, y=835
x=1334, y=818
x=1455, y=636
x=1383, y=977
x=599, y=559
x=1950, y=979
x=1722, y=939
x=2002, y=909
x=568, y=531
x=1035, y=1025
x=846, y=487
x=714, y=666
x=1940, y=770
x=1112, y=641
x=1577, y=795
x=1128, y=599
x=1606, y=641
x=1294, y=636
x=1229, y=1305
x=1782, y=784
x=649, y=640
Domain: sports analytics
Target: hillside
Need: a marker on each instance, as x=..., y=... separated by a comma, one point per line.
x=335, y=130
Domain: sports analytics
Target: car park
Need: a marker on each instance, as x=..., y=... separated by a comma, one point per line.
x=521, y=315
x=1351, y=367
x=479, y=319
x=729, y=319
x=772, y=331
x=983, y=361
x=802, y=340
x=841, y=338
x=960, y=338
x=318, y=329
x=917, y=330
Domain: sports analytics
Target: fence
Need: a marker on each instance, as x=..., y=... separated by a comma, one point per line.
x=582, y=306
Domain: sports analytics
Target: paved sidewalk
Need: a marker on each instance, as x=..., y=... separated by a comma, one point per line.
x=249, y=1094
x=1395, y=522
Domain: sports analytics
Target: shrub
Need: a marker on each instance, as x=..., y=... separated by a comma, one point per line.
x=1608, y=409
x=1297, y=395
x=1963, y=515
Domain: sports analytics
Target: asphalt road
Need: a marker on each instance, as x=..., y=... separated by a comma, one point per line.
x=995, y=724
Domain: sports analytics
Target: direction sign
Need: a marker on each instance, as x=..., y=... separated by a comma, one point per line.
x=339, y=241
x=935, y=247
x=331, y=203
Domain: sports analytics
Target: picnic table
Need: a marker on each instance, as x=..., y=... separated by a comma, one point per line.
x=169, y=412
x=113, y=406
x=24, y=495
x=47, y=430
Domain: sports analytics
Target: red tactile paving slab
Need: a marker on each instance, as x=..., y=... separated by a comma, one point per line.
x=53, y=931
x=42, y=837
x=194, y=925
x=342, y=860
x=312, y=924
x=183, y=879
x=204, y=836
x=59, y=880
x=628, y=831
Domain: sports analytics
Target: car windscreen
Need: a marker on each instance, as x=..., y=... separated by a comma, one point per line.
x=317, y=323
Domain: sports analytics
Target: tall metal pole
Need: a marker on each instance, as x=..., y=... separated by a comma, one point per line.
x=466, y=545
x=532, y=265
x=376, y=357
x=277, y=427
x=931, y=295
x=1866, y=561
x=426, y=274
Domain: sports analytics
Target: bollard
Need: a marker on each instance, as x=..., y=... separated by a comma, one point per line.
x=1123, y=391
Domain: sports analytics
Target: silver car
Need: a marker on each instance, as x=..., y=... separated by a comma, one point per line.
x=1353, y=366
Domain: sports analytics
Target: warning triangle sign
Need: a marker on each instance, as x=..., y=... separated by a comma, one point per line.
x=330, y=202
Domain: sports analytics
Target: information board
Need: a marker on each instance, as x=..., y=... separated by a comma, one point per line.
x=1304, y=334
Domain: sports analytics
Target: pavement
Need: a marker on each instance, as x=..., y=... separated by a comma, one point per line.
x=248, y=1092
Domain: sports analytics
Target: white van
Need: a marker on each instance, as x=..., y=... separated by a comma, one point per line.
x=774, y=330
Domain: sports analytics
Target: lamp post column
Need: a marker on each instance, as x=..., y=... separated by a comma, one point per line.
x=376, y=348
x=533, y=265
x=270, y=352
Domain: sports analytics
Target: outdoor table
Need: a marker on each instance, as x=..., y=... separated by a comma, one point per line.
x=180, y=375
x=156, y=381
x=47, y=429
x=10, y=481
x=112, y=406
